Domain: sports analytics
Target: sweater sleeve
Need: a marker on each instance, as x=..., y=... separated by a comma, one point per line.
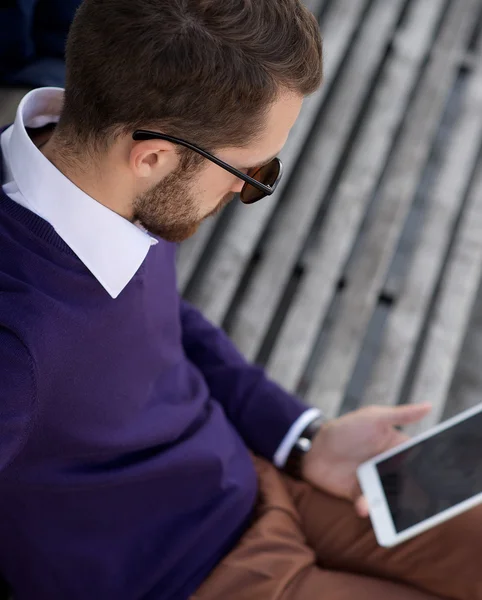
x=260, y=410
x=17, y=396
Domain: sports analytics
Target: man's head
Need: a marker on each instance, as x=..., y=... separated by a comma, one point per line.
x=228, y=76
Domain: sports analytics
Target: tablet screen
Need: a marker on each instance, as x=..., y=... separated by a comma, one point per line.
x=434, y=474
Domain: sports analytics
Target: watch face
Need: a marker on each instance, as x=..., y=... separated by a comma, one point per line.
x=304, y=444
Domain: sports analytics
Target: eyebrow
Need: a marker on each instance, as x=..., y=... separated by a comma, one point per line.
x=264, y=163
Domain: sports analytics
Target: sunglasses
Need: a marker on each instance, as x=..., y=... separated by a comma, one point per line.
x=259, y=182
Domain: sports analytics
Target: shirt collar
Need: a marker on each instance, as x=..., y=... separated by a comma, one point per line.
x=111, y=247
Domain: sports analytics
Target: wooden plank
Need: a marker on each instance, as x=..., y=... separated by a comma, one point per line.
x=369, y=268
x=447, y=330
x=192, y=250
x=465, y=389
x=326, y=261
x=315, y=6
x=406, y=321
x=245, y=230
x=329, y=141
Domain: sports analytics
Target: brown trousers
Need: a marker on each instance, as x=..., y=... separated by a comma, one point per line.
x=306, y=545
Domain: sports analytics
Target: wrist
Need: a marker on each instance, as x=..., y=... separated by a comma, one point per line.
x=302, y=447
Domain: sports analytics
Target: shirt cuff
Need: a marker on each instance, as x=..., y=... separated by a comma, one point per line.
x=290, y=439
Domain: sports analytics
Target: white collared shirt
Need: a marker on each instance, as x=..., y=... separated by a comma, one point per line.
x=111, y=247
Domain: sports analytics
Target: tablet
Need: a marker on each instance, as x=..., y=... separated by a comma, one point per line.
x=425, y=481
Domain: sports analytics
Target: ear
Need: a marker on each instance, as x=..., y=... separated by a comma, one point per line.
x=152, y=158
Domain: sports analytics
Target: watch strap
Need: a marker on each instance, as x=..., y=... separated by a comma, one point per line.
x=301, y=447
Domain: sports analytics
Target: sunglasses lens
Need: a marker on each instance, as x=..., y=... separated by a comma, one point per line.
x=268, y=175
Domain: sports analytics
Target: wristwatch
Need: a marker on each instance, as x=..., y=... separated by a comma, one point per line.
x=303, y=444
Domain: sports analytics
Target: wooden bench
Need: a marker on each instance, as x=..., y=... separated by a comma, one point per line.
x=356, y=283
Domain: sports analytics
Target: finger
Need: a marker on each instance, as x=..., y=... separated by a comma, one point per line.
x=403, y=415
x=361, y=507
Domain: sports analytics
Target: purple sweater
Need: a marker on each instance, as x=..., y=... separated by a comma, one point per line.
x=124, y=427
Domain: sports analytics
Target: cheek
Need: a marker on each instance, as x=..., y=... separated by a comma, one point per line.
x=214, y=185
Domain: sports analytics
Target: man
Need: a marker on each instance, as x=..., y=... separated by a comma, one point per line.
x=135, y=442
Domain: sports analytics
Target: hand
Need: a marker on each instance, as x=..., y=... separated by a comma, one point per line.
x=344, y=443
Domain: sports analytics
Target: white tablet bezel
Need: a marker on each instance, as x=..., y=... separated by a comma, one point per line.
x=372, y=489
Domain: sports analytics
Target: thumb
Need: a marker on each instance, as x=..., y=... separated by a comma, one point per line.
x=403, y=415
x=361, y=507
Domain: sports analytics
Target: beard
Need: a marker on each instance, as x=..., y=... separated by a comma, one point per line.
x=170, y=209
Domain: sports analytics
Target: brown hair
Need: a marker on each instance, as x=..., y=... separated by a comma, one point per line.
x=205, y=70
